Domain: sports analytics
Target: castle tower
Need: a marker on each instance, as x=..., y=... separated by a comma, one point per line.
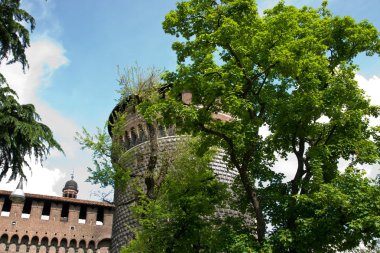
x=71, y=189
x=135, y=139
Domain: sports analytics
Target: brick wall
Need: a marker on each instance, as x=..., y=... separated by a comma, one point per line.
x=44, y=229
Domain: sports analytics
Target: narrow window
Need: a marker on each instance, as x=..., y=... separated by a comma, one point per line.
x=127, y=141
x=100, y=216
x=141, y=134
x=133, y=136
x=26, y=209
x=161, y=131
x=46, y=210
x=6, y=207
x=82, y=214
x=65, y=212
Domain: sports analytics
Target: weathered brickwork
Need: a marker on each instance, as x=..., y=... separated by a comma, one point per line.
x=124, y=221
x=136, y=141
x=54, y=224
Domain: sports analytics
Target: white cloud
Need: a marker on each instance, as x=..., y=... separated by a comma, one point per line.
x=45, y=56
x=371, y=87
x=40, y=180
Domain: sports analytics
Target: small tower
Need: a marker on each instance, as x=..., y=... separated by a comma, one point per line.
x=71, y=188
x=18, y=195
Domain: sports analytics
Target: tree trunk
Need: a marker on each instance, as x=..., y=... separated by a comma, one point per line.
x=152, y=162
x=252, y=196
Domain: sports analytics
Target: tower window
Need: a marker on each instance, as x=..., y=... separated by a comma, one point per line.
x=161, y=131
x=133, y=136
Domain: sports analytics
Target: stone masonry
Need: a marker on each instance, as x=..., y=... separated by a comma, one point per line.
x=136, y=142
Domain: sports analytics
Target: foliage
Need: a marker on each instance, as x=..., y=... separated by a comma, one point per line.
x=136, y=81
x=183, y=216
x=109, y=157
x=21, y=135
x=340, y=216
x=14, y=37
x=286, y=70
x=100, y=144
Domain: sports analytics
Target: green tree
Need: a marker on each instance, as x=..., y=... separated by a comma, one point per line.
x=14, y=37
x=22, y=134
x=183, y=216
x=100, y=144
x=285, y=70
x=341, y=214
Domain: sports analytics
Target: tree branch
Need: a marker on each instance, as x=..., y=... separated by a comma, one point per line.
x=153, y=146
x=246, y=182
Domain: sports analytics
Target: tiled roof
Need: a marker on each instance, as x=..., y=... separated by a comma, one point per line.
x=61, y=199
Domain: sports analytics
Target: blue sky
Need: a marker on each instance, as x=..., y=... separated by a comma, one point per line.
x=76, y=48
x=97, y=37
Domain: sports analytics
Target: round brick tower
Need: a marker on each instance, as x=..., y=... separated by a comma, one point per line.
x=135, y=139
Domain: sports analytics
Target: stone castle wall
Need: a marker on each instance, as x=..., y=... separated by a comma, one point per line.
x=135, y=140
x=54, y=224
x=124, y=222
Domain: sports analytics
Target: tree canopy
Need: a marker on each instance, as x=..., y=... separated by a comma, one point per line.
x=290, y=70
x=14, y=36
x=22, y=134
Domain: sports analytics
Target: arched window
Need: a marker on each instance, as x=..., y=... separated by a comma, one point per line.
x=142, y=135
x=133, y=136
x=82, y=244
x=73, y=244
x=14, y=239
x=35, y=240
x=45, y=241
x=4, y=238
x=161, y=131
x=104, y=244
x=91, y=245
x=54, y=242
x=63, y=243
x=25, y=240
x=127, y=140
